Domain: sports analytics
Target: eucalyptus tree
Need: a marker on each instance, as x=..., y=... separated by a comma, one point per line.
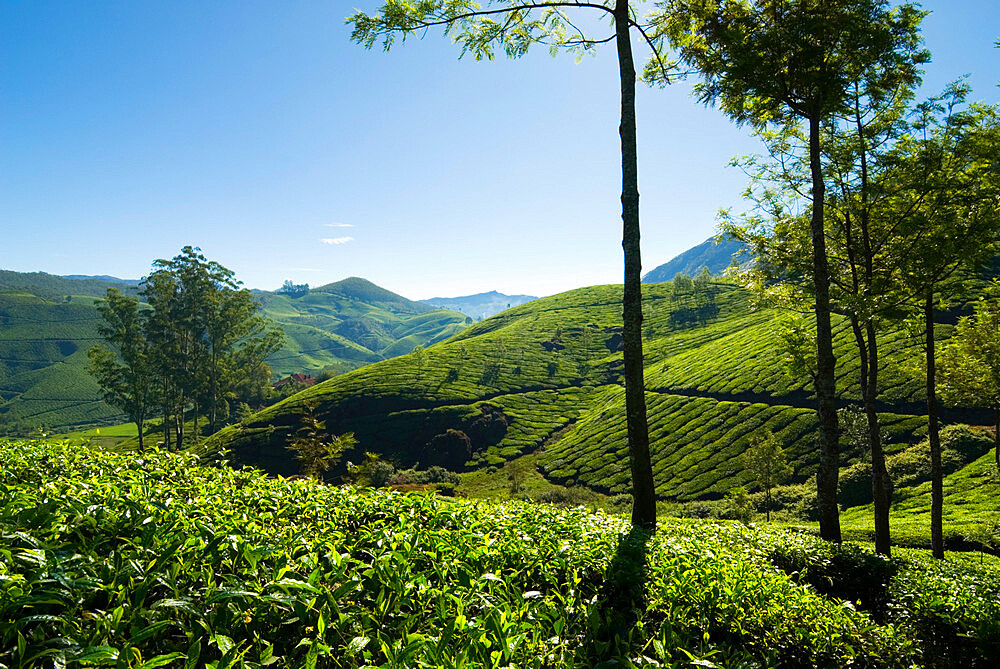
x=124, y=372
x=787, y=63
x=514, y=26
x=205, y=329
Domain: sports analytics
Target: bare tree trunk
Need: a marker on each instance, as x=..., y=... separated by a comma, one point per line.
x=825, y=382
x=643, y=488
x=933, y=433
x=996, y=438
x=881, y=486
x=179, y=418
x=166, y=413
x=215, y=390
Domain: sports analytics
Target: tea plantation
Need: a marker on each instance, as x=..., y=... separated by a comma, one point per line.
x=47, y=324
x=152, y=560
x=547, y=375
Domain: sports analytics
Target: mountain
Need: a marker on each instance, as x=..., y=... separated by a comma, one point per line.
x=104, y=277
x=716, y=257
x=481, y=305
x=47, y=324
x=545, y=378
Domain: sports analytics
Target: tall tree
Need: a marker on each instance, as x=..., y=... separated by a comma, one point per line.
x=206, y=328
x=910, y=202
x=125, y=373
x=952, y=159
x=515, y=25
x=788, y=63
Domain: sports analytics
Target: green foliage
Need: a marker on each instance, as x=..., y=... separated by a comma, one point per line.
x=371, y=472
x=226, y=566
x=970, y=361
x=316, y=450
x=766, y=461
x=738, y=505
x=710, y=388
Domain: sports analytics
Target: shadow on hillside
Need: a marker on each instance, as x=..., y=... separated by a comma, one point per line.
x=621, y=602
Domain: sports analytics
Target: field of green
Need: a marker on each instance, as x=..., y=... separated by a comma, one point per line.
x=546, y=375
x=43, y=358
x=47, y=324
x=154, y=560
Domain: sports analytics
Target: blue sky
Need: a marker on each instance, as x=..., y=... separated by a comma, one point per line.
x=256, y=131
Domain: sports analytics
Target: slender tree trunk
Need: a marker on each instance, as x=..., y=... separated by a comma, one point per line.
x=138, y=423
x=881, y=486
x=166, y=413
x=768, y=511
x=195, y=429
x=996, y=438
x=933, y=433
x=215, y=386
x=643, y=489
x=826, y=383
x=180, y=422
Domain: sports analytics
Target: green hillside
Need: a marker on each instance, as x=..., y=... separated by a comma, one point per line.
x=548, y=373
x=350, y=323
x=43, y=355
x=47, y=324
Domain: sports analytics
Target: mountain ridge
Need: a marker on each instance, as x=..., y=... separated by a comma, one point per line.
x=713, y=254
x=480, y=305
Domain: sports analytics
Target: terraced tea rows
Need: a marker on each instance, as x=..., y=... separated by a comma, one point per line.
x=553, y=367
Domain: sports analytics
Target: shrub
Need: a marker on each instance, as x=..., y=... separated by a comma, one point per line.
x=450, y=449
x=846, y=571
x=488, y=428
x=737, y=506
x=372, y=472
x=970, y=444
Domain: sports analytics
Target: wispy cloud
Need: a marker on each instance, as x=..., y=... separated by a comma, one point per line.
x=339, y=225
x=337, y=240
x=305, y=269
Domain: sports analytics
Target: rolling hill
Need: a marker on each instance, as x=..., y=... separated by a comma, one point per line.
x=545, y=378
x=47, y=324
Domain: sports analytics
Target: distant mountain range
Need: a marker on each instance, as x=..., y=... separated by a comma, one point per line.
x=104, y=277
x=481, y=305
x=715, y=256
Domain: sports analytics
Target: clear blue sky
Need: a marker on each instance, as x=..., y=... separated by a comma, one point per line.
x=256, y=130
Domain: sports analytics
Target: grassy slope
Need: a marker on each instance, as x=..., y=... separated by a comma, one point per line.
x=44, y=340
x=971, y=497
x=553, y=368
x=224, y=566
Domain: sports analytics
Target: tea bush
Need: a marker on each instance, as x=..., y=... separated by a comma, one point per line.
x=155, y=560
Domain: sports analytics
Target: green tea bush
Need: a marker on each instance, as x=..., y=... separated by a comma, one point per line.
x=845, y=571
x=154, y=560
